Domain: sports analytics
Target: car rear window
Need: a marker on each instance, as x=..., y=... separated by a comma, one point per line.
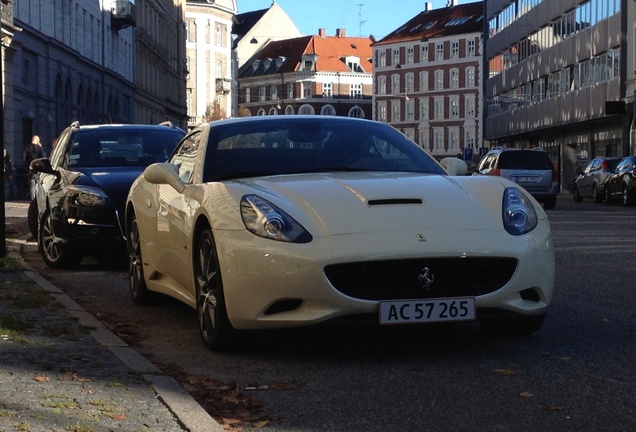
x=612, y=164
x=527, y=160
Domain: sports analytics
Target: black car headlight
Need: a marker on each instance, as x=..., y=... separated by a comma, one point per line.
x=264, y=219
x=88, y=196
x=519, y=215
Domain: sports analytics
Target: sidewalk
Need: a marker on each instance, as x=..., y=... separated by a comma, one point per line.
x=62, y=370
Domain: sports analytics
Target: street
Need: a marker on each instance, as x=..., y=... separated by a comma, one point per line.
x=575, y=374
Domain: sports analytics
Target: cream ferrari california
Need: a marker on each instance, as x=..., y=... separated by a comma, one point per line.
x=281, y=221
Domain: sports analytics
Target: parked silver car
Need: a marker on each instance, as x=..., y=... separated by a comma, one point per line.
x=531, y=169
x=590, y=182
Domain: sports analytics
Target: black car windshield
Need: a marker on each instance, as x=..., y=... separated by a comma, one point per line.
x=126, y=146
x=290, y=145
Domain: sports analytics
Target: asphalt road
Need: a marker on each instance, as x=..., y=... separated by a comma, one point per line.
x=576, y=374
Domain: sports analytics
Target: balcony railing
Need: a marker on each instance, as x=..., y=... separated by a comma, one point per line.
x=223, y=85
x=122, y=14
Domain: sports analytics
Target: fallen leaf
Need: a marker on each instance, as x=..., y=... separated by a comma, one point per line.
x=118, y=416
x=505, y=372
x=554, y=408
x=526, y=394
x=42, y=378
x=260, y=424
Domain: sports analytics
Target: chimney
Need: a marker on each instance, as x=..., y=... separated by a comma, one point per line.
x=428, y=6
x=321, y=32
x=340, y=32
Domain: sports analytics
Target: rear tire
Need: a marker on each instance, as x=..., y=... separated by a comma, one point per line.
x=577, y=195
x=628, y=197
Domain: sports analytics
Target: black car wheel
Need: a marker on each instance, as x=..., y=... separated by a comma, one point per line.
x=32, y=218
x=608, y=196
x=628, y=197
x=596, y=197
x=138, y=288
x=214, y=326
x=55, y=250
x=519, y=325
x=577, y=195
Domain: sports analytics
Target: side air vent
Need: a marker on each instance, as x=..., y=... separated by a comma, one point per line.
x=395, y=201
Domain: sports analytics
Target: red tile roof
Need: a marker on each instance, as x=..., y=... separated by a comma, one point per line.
x=330, y=50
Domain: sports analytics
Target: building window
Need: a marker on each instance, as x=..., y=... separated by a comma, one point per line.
x=355, y=91
x=289, y=110
x=423, y=81
x=395, y=111
x=396, y=56
x=470, y=48
x=382, y=58
x=290, y=91
x=438, y=140
x=219, y=69
x=382, y=111
x=306, y=89
x=306, y=110
x=454, y=107
x=424, y=109
x=273, y=92
x=219, y=35
x=382, y=85
x=261, y=93
x=439, y=108
x=454, y=78
x=410, y=55
x=327, y=89
x=469, y=103
x=455, y=49
x=424, y=54
x=410, y=110
x=453, y=135
x=395, y=84
x=248, y=95
x=356, y=112
x=328, y=110
x=410, y=83
x=469, y=139
x=470, y=77
x=439, y=79
x=439, y=51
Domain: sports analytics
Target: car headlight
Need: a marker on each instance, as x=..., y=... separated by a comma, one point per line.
x=88, y=196
x=268, y=221
x=519, y=215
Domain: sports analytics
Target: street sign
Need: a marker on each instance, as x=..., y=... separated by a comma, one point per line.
x=468, y=154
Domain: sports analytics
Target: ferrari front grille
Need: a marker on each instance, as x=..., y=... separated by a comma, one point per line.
x=421, y=278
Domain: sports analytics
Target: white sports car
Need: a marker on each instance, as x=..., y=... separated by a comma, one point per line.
x=280, y=221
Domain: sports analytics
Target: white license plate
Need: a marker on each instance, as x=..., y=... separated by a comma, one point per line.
x=427, y=310
x=527, y=179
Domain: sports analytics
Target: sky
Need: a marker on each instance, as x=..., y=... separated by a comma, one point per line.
x=357, y=17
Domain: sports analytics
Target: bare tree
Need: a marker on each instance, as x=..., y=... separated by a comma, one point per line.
x=215, y=112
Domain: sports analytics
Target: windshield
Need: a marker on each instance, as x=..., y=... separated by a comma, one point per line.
x=301, y=145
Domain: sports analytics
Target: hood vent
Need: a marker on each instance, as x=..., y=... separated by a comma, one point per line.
x=395, y=201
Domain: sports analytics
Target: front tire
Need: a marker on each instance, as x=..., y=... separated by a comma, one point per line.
x=56, y=251
x=628, y=197
x=214, y=325
x=577, y=195
x=138, y=289
x=32, y=218
x=596, y=196
x=519, y=325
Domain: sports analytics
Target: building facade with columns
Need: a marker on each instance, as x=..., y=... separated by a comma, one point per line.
x=209, y=59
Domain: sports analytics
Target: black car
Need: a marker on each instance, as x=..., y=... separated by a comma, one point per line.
x=82, y=188
x=621, y=184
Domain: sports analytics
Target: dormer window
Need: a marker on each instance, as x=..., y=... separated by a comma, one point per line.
x=353, y=63
x=255, y=65
x=308, y=62
x=279, y=61
x=266, y=63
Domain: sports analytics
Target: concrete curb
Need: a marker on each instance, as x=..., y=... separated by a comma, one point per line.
x=173, y=395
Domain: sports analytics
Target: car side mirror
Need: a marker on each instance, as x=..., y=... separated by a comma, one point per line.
x=164, y=173
x=454, y=166
x=42, y=165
